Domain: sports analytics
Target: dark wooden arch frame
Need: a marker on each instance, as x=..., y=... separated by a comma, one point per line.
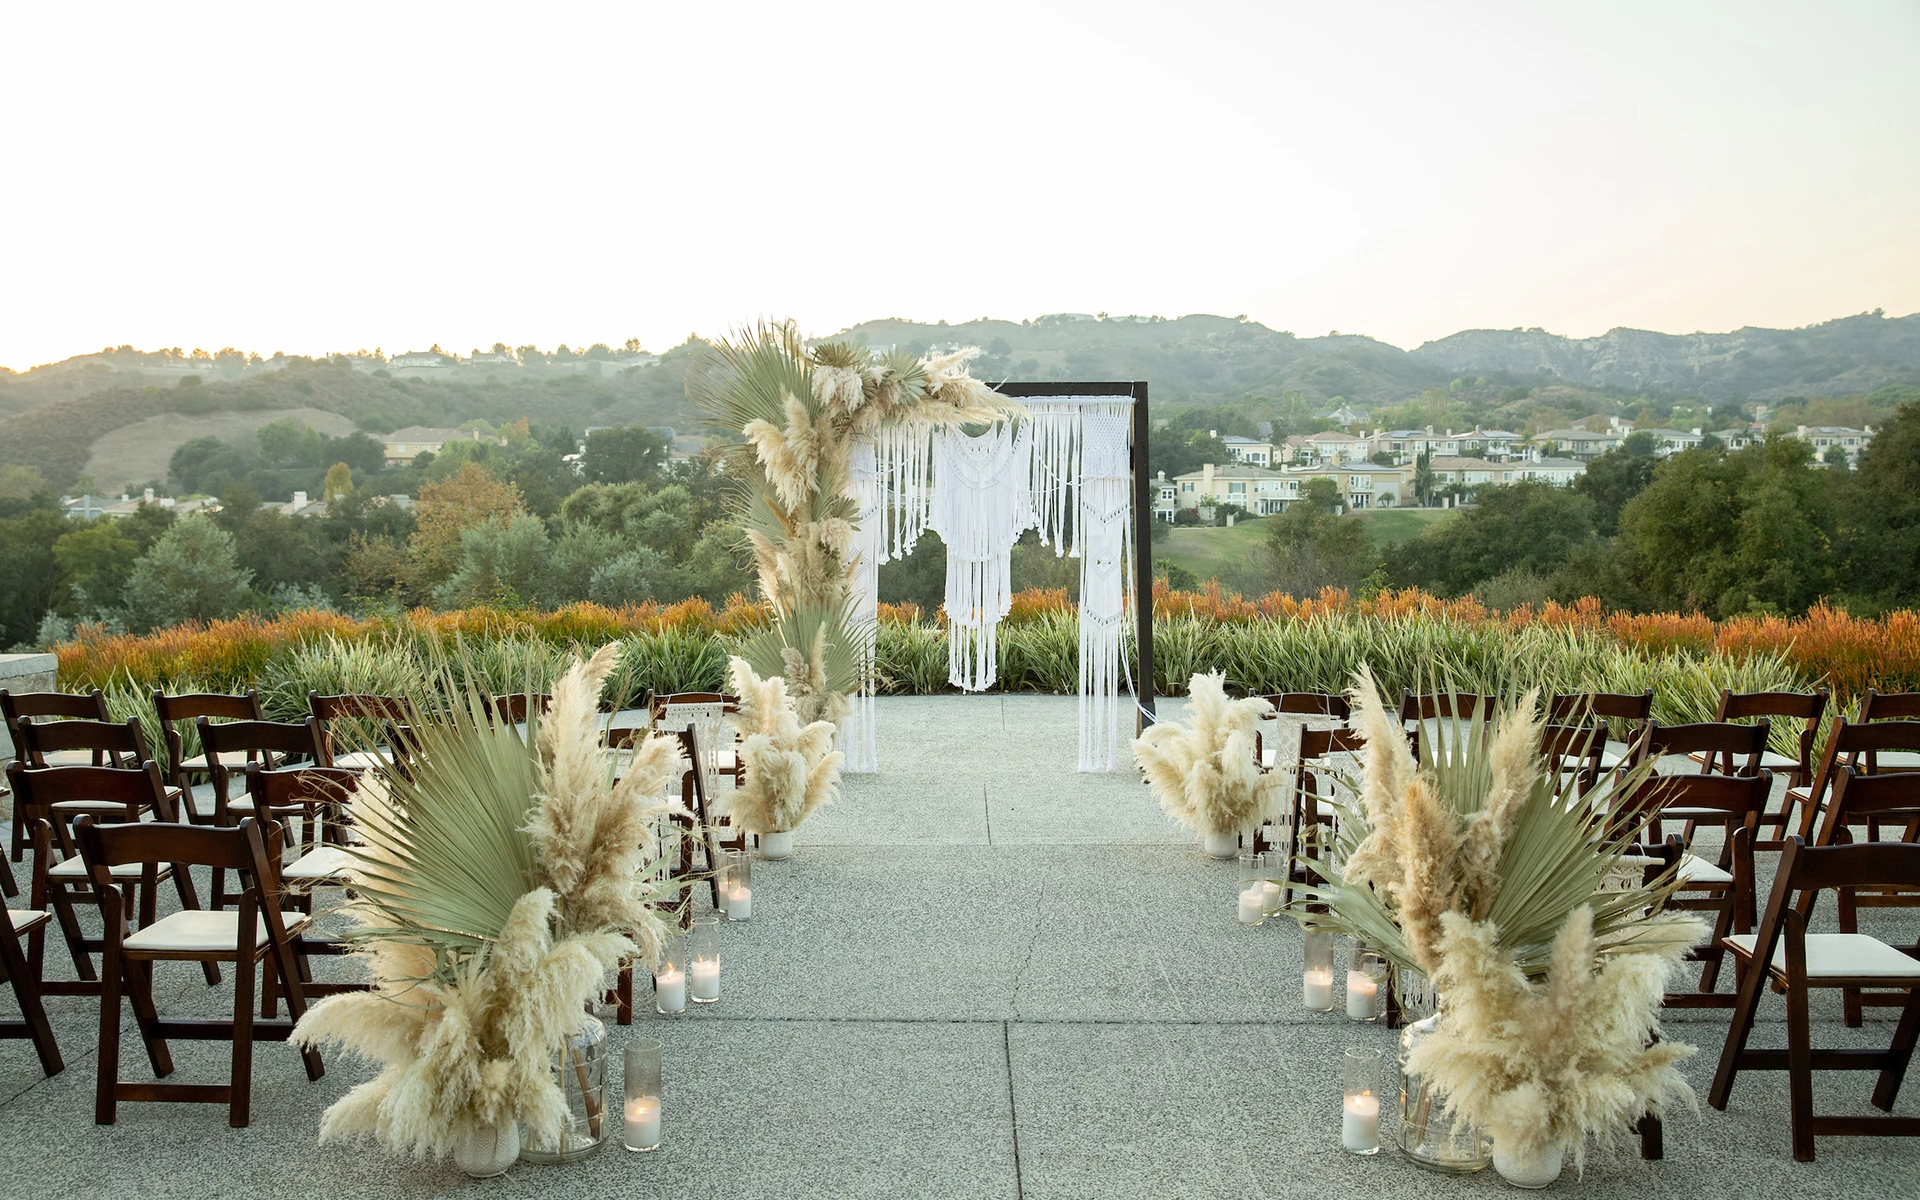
x=1136, y=391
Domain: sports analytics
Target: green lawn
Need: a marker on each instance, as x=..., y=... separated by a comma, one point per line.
x=1210, y=552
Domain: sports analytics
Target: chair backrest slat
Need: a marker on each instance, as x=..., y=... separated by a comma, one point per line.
x=1460, y=705
x=1889, y=706
x=1720, y=741
x=134, y=787
x=113, y=743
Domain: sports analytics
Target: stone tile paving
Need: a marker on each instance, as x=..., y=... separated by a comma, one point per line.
x=982, y=975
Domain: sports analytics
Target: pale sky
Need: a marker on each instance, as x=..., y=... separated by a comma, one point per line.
x=327, y=177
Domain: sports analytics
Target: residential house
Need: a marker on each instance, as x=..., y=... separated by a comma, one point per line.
x=1673, y=441
x=492, y=358
x=1330, y=446
x=1833, y=442
x=1255, y=489
x=1251, y=451
x=404, y=445
x=421, y=358
x=1466, y=475
x=1558, y=471
x=1406, y=445
x=300, y=507
x=1365, y=484
x=1344, y=416
x=85, y=508
x=1494, y=444
x=127, y=506
x=1739, y=437
x=1166, y=498
x=1580, y=443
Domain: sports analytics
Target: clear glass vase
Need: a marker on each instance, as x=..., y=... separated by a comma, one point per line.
x=1429, y=1135
x=581, y=1071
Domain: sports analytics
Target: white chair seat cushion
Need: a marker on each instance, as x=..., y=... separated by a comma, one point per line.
x=26, y=920
x=69, y=758
x=1838, y=956
x=359, y=760
x=1799, y=795
x=91, y=806
x=195, y=765
x=321, y=862
x=1701, y=873
x=76, y=868
x=1769, y=761
x=197, y=931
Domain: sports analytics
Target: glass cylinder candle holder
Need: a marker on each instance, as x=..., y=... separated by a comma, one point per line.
x=670, y=977
x=736, y=886
x=642, y=1131
x=1316, y=981
x=1360, y=1113
x=703, y=960
x=1366, y=985
x=1249, y=902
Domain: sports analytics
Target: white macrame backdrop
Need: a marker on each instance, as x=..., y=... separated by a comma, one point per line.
x=1083, y=499
x=982, y=502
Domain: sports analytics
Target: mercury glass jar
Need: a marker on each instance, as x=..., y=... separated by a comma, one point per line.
x=581, y=1071
x=1429, y=1135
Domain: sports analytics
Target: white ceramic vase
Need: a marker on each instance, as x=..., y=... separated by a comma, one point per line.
x=1221, y=845
x=1531, y=1171
x=776, y=846
x=488, y=1150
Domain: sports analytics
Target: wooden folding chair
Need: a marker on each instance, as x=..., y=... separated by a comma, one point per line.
x=14, y=706
x=230, y=747
x=707, y=713
x=1784, y=955
x=1456, y=705
x=1300, y=704
x=189, y=772
x=60, y=877
x=1626, y=714
x=1876, y=801
x=1575, y=750
x=358, y=711
x=1807, y=707
x=316, y=798
x=252, y=937
x=1888, y=706
x=513, y=709
x=1733, y=802
x=1854, y=745
x=32, y=1022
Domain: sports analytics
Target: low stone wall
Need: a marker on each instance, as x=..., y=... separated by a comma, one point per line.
x=24, y=673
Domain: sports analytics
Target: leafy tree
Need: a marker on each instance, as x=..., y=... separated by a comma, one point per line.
x=634, y=576
x=630, y=455
x=94, y=562
x=339, y=483
x=1310, y=548
x=29, y=575
x=1617, y=477
x=471, y=497
x=283, y=551
x=1727, y=534
x=1880, y=516
x=1530, y=525
x=579, y=551
x=290, y=443
x=502, y=561
x=1169, y=451
x=192, y=573
x=21, y=483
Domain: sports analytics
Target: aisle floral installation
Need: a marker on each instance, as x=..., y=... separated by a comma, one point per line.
x=791, y=769
x=1204, y=772
x=1476, y=868
x=502, y=877
x=802, y=410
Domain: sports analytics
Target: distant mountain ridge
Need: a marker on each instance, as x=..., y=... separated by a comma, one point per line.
x=1841, y=357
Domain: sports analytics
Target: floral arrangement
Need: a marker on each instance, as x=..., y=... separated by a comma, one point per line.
x=1205, y=774
x=801, y=409
x=1482, y=871
x=501, y=878
x=791, y=769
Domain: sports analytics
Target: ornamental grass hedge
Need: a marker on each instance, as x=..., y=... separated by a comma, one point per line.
x=1271, y=644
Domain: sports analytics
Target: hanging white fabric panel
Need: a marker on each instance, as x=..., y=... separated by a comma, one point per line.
x=1083, y=499
x=981, y=503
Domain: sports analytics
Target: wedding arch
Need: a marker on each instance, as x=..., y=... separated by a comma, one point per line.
x=849, y=457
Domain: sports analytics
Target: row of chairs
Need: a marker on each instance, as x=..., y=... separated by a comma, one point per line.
x=1862, y=780
x=81, y=778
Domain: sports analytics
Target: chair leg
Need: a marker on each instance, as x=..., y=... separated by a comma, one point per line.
x=107, y=1082
x=294, y=967
x=240, y=1085
x=1800, y=1072
x=8, y=883
x=139, y=981
x=1899, y=1054
x=26, y=990
x=69, y=921
x=1722, y=926
x=1849, y=917
x=1752, y=986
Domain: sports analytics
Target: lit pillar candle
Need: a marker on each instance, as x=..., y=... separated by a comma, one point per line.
x=739, y=904
x=706, y=980
x=643, y=1123
x=1317, y=989
x=1362, y=992
x=1252, y=911
x=670, y=990
x=1270, y=897
x=1360, y=1124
